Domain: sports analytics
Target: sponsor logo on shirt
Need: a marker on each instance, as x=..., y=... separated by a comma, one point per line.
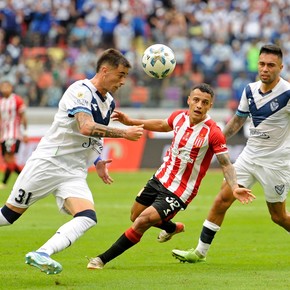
x=256, y=133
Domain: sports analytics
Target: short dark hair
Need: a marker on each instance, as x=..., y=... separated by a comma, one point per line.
x=271, y=49
x=112, y=57
x=205, y=88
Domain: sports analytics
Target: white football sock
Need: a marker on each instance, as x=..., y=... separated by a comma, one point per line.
x=67, y=234
x=202, y=248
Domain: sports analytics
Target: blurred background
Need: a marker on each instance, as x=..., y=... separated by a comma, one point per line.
x=48, y=44
x=45, y=45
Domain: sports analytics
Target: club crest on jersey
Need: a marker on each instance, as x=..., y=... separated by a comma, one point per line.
x=280, y=189
x=199, y=141
x=274, y=105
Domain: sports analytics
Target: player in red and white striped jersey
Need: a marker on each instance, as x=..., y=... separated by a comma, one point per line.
x=13, y=128
x=196, y=139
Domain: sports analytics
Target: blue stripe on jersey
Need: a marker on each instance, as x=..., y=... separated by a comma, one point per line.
x=242, y=114
x=75, y=110
x=96, y=112
x=270, y=108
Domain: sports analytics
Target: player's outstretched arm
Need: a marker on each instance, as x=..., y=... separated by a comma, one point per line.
x=88, y=127
x=157, y=125
x=242, y=194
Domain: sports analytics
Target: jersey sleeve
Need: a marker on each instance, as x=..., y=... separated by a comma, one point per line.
x=78, y=99
x=243, y=108
x=217, y=141
x=20, y=104
x=172, y=118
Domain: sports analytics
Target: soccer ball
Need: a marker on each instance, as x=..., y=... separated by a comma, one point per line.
x=158, y=61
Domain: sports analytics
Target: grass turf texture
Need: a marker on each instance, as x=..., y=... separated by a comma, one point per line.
x=250, y=252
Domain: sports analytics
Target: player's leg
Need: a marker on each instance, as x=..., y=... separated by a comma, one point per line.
x=65, y=236
x=80, y=205
x=128, y=239
x=161, y=209
x=9, y=149
x=276, y=186
x=210, y=227
x=223, y=201
x=169, y=228
x=279, y=214
x=9, y=214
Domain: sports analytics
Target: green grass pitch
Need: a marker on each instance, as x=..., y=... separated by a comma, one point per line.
x=249, y=252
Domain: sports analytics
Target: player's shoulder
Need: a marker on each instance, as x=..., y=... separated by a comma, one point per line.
x=180, y=112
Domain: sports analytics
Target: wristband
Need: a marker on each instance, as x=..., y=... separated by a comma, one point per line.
x=97, y=160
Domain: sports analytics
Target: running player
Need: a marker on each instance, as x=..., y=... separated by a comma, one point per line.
x=196, y=138
x=265, y=159
x=59, y=164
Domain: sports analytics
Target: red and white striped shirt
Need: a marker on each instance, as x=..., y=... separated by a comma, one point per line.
x=11, y=109
x=189, y=156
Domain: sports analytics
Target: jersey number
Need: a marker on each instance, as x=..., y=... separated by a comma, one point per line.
x=23, y=197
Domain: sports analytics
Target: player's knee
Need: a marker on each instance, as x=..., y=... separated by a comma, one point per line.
x=90, y=214
x=9, y=216
x=278, y=219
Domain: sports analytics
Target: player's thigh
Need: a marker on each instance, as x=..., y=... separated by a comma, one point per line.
x=275, y=183
x=136, y=210
x=167, y=205
x=34, y=183
x=73, y=195
x=245, y=173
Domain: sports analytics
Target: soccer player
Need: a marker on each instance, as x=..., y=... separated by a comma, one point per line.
x=196, y=138
x=265, y=158
x=13, y=128
x=60, y=162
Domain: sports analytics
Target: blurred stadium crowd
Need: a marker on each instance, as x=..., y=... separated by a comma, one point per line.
x=47, y=44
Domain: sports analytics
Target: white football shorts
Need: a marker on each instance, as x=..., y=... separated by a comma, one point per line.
x=39, y=178
x=275, y=183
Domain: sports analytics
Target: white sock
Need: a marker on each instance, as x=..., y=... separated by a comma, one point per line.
x=202, y=248
x=67, y=234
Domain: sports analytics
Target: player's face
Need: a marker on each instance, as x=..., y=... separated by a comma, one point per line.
x=6, y=89
x=199, y=103
x=114, y=78
x=269, y=68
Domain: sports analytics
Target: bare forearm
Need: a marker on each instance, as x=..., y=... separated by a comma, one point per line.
x=233, y=126
x=230, y=176
x=157, y=125
x=228, y=170
x=88, y=127
x=98, y=130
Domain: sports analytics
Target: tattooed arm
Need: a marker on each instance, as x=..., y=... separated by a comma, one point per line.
x=233, y=126
x=88, y=127
x=242, y=194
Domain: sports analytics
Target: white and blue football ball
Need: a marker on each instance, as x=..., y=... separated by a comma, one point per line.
x=158, y=61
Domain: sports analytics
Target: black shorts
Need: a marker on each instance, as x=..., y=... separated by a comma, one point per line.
x=165, y=202
x=10, y=146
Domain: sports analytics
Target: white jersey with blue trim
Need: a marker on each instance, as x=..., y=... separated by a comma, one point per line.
x=269, y=139
x=63, y=144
